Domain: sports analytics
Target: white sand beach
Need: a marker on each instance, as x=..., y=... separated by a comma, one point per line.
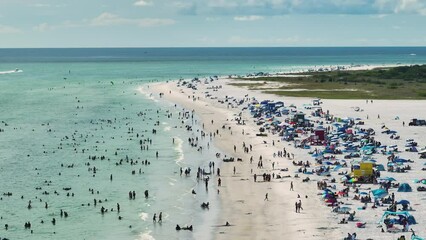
x=243, y=202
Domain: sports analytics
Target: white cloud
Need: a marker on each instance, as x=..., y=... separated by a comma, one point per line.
x=248, y=18
x=279, y=7
x=109, y=19
x=43, y=27
x=41, y=5
x=9, y=30
x=207, y=40
x=411, y=6
x=143, y=3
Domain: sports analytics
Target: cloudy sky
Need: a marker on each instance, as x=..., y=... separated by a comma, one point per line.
x=211, y=23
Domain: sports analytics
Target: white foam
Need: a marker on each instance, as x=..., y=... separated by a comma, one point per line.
x=150, y=96
x=172, y=181
x=145, y=236
x=179, y=149
x=167, y=129
x=143, y=216
x=11, y=71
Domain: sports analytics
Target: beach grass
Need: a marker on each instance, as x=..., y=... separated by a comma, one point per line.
x=408, y=82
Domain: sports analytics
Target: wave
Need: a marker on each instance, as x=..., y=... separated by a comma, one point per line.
x=143, y=216
x=145, y=236
x=179, y=149
x=11, y=71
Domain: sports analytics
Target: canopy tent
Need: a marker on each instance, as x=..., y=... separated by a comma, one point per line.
x=405, y=214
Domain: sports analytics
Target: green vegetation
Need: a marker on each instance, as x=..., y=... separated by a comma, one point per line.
x=407, y=82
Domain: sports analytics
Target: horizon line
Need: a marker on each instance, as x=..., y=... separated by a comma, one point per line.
x=110, y=47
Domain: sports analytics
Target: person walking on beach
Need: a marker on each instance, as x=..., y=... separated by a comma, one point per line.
x=266, y=197
x=291, y=186
x=296, y=206
x=160, y=217
x=234, y=170
x=300, y=205
x=219, y=182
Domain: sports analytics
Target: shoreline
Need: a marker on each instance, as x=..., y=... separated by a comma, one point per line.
x=243, y=204
x=248, y=212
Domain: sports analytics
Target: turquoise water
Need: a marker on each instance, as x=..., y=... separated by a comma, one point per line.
x=65, y=101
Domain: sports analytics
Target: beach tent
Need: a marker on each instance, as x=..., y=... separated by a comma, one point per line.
x=405, y=187
x=380, y=167
x=405, y=214
x=379, y=193
x=406, y=202
x=400, y=160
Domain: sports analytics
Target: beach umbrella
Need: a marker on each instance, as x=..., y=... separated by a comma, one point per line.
x=420, y=181
x=352, y=180
x=379, y=193
x=363, y=193
x=336, y=168
x=390, y=179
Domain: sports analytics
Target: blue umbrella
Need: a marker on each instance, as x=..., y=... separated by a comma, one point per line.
x=389, y=179
x=363, y=193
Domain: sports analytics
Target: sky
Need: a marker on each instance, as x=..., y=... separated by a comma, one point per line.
x=211, y=23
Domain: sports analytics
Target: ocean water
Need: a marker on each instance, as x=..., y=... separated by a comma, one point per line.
x=65, y=105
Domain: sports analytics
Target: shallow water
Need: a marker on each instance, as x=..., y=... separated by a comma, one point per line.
x=46, y=127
